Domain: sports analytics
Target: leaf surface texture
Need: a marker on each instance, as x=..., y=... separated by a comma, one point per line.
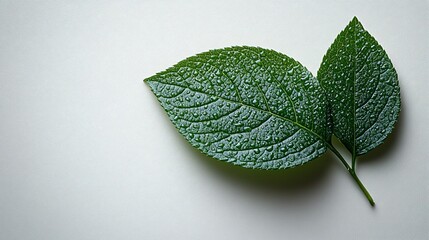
x=362, y=89
x=249, y=106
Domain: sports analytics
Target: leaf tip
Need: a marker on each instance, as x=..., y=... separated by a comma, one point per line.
x=355, y=22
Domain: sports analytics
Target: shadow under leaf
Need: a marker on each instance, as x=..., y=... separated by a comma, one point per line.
x=288, y=181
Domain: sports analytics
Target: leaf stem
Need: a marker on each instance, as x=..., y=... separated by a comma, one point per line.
x=354, y=161
x=362, y=187
x=353, y=174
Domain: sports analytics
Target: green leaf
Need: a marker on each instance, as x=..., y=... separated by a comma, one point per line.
x=249, y=106
x=362, y=89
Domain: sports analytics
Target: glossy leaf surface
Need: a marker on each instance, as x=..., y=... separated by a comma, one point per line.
x=362, y=89
x=249, y=106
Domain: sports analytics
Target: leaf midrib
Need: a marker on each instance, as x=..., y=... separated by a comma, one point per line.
x=354, y=92
x=249, y=106
x=278, y=83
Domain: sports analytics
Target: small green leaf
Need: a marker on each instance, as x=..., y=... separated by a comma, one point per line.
x=249, y=106
x=362, y=89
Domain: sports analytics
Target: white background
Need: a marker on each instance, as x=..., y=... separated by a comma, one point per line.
x=86, y=152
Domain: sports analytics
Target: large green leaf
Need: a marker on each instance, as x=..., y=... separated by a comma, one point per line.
x=362, y=89
x=249, y=106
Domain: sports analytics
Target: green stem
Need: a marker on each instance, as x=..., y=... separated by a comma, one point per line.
x=362, y=187
x=353, y=174
x=354, y=161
